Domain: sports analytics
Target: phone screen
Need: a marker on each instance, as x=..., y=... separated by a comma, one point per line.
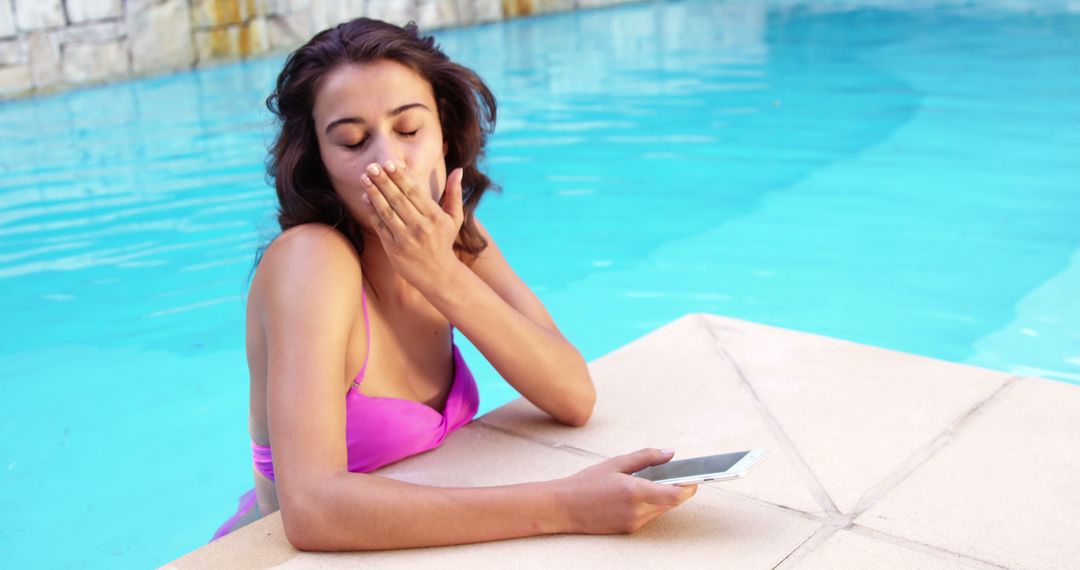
x=692, y=467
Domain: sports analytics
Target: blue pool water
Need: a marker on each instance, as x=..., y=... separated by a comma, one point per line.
x=903, y=174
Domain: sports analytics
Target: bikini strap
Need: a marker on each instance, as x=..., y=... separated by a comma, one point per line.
x=367, y=334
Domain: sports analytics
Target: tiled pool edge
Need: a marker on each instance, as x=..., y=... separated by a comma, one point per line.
x=930, y=426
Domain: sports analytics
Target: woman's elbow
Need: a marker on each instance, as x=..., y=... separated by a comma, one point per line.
x=307, y=524
x=305, y=534
x=577, y=420
x=300, y=528
x=580, y=410
x=312, y=524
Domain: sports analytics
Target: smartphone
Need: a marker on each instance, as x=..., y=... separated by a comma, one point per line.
x=703, y=469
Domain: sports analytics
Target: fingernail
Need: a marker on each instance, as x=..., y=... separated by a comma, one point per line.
x=373, y=169
x=390, y=166
x=366, y=199
x=667, y=451
x=365, y=180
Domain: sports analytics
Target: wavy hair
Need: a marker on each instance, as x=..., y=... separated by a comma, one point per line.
x=466, y=108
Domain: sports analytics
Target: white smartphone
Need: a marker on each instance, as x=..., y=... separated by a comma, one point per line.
x=703, y=469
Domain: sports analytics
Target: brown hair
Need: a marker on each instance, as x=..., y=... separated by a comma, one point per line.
x=466, y=110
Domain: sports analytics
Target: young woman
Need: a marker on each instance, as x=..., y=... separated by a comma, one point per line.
x=352, y=310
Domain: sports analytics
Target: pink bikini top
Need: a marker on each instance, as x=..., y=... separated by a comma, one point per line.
x=380, y=431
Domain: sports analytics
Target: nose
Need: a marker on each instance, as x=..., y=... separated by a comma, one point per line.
x=385, y=148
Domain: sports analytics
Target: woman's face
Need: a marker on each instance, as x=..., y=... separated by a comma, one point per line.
x=376, y=112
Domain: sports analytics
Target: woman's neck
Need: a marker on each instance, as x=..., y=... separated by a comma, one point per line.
x=390, y=288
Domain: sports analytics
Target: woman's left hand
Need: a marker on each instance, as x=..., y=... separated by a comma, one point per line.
x=417, y=232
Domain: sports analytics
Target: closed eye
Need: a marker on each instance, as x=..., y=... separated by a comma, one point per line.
x=364, y=140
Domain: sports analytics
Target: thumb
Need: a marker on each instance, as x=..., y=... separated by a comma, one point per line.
x=451, y=201
x=638, y=460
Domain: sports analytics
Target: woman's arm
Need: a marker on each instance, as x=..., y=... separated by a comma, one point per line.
x=498, y=312
x=489, y=303
x=307, y=301
x=356, y=511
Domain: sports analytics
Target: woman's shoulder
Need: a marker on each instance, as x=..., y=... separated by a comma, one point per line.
x=309, y=244
x=306, y=237
x=314, y=257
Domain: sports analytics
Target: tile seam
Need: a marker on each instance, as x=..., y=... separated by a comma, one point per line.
x=543, y=442
x=924, y=548
x=809, y=479
x=928, y=451
x=807, y=546
x=816, y=517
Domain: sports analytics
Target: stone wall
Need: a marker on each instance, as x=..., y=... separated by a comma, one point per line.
x=47, y=45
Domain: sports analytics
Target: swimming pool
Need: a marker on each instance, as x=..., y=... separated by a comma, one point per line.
x=902, y=176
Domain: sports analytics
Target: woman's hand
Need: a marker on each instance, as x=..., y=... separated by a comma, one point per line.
x=417, y=233
x=605, y=499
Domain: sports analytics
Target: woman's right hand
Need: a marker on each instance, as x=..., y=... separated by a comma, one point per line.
x=606, y=499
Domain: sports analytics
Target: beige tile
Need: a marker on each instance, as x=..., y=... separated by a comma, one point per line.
x=855, y=413
x=671, y=389
x=712, y=530
x=477, y=456
x=849, y=549
x=1005, y=489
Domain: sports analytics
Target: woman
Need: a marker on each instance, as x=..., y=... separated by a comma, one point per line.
x=376, y=172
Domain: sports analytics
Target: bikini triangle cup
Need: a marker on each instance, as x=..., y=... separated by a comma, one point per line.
x=382, y=430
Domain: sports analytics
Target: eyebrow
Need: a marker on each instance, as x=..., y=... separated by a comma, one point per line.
x=392, y=113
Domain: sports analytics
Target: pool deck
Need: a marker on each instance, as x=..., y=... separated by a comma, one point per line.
x=877, y=459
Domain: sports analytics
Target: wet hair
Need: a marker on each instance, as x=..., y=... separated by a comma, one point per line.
x=466, y=110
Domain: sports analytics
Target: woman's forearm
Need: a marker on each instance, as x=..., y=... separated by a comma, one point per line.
x=539, y=363
x=356, y=511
